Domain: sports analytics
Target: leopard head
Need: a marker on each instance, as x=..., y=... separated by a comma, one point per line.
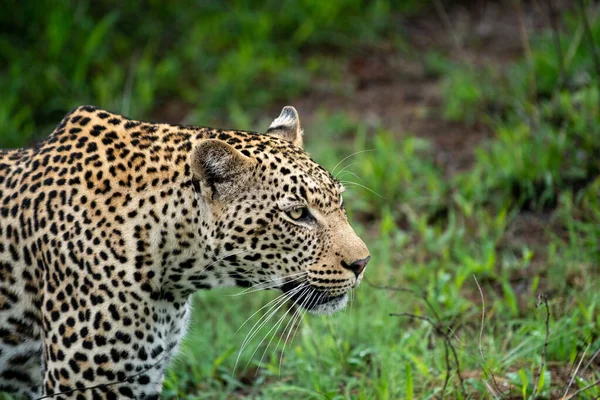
x=277, y=218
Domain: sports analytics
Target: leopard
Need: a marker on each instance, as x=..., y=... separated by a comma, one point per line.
x=109, y=225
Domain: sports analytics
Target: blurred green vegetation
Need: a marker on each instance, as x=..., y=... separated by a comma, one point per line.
x=215, y=58
x=523, y=218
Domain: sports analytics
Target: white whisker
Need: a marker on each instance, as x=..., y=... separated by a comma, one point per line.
x=362, y=186
x=221, y=259
x=261, y=326
x=265, y=318
x=260, y=289
x=279, y=300
x=343, y=169
x=296, y=317
x=278, y=278
x=281, y=296
x=302, y=316
x=275, y=327
x=292, y=322
x=351, y=155
x=351, y=173
x=255, y=287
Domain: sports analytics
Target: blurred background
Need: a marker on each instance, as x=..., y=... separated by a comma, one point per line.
x=467, y=133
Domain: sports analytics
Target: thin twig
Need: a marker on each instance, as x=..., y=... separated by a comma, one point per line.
x=482, y=318
x=422, y=295
x=591, y=360
x=445, y=331
x=391, y=288
x=448, y=368
x=587, y=339
x=583, y=389
x=577, y=369
x=574, y=395
x=495, y=384
x=447, y=343
x=542, y=300
x=419, y=317
x=460, y=378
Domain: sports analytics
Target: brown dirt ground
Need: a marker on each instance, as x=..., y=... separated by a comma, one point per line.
x=396, y=91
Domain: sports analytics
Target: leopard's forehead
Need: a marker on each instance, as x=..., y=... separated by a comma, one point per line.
x=286, y=167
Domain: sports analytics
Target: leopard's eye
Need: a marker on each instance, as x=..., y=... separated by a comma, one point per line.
x=297, y=213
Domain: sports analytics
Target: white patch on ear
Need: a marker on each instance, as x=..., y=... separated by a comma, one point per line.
x=287, y=126
x=287, y=119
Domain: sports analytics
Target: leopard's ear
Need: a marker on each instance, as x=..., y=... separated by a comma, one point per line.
x=287, y=126
x=219, y=170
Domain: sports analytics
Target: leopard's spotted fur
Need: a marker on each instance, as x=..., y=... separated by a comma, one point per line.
x=109, y=225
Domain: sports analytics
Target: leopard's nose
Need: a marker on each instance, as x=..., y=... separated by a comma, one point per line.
x=357, y=266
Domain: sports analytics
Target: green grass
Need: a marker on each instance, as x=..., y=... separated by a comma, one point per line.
x=522, y=220
x=212, y=61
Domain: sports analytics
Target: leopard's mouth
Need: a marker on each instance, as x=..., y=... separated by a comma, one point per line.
x=313, y=300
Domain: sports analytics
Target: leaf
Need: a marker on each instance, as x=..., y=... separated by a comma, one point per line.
x=409, y=381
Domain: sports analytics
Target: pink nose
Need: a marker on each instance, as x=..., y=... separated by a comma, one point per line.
x=357, y=266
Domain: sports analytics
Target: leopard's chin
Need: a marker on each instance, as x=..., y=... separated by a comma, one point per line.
x=332, y=305
x=313, y=300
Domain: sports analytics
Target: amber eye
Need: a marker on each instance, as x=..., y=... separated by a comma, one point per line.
x=297, y=213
